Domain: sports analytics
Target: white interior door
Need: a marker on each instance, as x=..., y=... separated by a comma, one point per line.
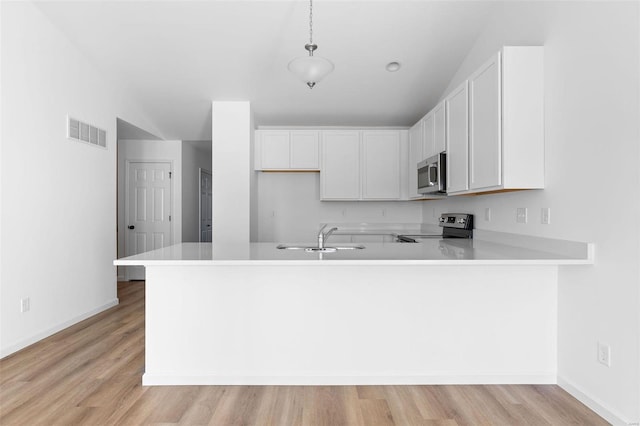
x=206, y=187
x=148, y=210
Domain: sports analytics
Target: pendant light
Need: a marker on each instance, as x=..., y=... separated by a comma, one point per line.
x=310, y=69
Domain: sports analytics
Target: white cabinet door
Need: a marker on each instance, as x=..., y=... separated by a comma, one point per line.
x=305, y=150
x=429, y=143
x=415, y=156
x=485, y=142
x=381, y=164
x=340, y=165
x=440, y=130
x=456, y=105
x=274, y=149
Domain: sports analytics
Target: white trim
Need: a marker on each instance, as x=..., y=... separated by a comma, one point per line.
x=56, y=328
x=284, y=380
x=594, y=404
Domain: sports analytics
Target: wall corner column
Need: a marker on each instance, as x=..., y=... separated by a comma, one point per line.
x=231, y=171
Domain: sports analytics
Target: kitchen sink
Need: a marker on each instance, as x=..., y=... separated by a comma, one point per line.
x=316, y=249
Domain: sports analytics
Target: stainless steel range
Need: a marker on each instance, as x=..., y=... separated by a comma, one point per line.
x=454, y=225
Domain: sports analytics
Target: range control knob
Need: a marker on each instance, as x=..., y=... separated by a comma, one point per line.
x=461, y=220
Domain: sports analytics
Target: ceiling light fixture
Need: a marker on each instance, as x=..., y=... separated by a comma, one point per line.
x=393, y=66
x=311, y=69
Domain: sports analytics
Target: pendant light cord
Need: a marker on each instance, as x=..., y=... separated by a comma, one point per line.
x=310, y=21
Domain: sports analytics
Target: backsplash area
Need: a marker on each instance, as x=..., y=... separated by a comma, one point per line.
x=289, y=208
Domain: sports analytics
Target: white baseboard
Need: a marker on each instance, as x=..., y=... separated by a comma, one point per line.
x=594, y=404
x=58, y=327
x=452, y=379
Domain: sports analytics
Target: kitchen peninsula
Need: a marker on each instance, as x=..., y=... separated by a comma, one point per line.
x=442, y=311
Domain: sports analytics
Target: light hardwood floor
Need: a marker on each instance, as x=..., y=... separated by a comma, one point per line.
x=90, y=374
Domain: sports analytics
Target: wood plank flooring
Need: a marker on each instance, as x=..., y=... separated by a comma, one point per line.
x=90, y=374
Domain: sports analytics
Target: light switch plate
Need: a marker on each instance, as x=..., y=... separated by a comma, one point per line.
x=25, y=305
x=604, y=354
x=521, y=215
x=545, y=215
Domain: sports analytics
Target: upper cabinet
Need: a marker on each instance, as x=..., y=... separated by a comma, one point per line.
x=287, y=150
x=506, y=121
x=415, y=156
x=434, y=131
x=340, y=176
x=381, y=155
x=439, y=129
x=485, y=138
x=457, y=135
x=428, y=136
x=495, y=125
x=363, y=165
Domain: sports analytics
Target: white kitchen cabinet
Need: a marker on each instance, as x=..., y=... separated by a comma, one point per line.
x=415, y=156
x=506, y=121
x=363, y=165
x=305, y=150
x=381, y=165
x=428, y=138
x=485, y=139
x=340, y=165
x=274, y=149
x=439, y=129
x=287, y=150
x=457, y=135
x=434, y=131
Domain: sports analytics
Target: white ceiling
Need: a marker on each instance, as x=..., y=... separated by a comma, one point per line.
x=175, y=57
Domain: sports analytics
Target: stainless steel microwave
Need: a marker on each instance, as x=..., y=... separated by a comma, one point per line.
x=432, y=175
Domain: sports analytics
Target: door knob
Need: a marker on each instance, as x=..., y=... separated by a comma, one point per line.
x=131, y=227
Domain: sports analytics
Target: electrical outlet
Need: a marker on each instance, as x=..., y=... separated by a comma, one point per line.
x=545, y=215
x=344, y=212
x=25, y=304
x=521, y=215
x=487, y=214
x=604, y=354
x=384, y=212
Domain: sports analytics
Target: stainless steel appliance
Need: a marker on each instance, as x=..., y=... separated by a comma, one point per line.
x=454, y=225
x=432, y=175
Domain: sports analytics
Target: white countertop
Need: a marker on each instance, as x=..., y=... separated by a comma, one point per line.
x=486, y=251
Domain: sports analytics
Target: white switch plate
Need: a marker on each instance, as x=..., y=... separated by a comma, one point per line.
x=521, y=215
x=604, y=354
x=25, y=304
x=487, y=214
x=545, y=215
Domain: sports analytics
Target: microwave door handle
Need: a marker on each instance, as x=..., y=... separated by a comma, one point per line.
x=431, y=182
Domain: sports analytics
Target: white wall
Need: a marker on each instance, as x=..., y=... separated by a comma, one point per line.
x=58, y=196
x=195, y=155
x=231, y=134
x=290, y=210
x=592, y=180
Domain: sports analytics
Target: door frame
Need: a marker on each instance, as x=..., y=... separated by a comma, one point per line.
x=127, y=163
x=200, y=170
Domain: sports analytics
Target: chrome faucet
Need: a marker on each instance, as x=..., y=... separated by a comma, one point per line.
x=322, y=236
